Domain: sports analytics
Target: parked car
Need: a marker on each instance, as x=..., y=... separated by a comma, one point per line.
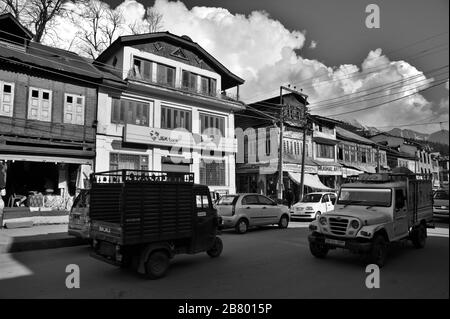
x=440, y=203
x=242, y=211
x=79, y=222
x=314, y=204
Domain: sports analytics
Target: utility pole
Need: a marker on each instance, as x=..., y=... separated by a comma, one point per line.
x=302, y=181
x=305, y=128
x=280, y=153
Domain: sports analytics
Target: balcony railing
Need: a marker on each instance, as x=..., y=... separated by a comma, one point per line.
x=178, y=85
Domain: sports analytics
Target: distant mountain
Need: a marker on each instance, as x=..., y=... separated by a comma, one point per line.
x=439, y=137
x=406, y=133
x=366, y=130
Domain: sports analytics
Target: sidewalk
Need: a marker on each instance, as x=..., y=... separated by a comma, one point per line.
x=36, y=237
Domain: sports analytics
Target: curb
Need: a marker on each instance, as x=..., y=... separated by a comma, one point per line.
x=39, y=242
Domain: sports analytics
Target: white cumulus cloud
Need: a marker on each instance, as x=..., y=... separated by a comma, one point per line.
x=263, y=51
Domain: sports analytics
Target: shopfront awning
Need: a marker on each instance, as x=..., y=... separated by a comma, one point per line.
x=310, y=180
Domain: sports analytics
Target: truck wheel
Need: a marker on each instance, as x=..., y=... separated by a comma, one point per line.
x=241, y=226
x=318, y=250
x=157, y=264
x=419, y=236
x=378, y=253
x=284, y=222
x=216, y=249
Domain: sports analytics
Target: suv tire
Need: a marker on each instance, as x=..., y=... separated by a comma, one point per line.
x=318, y=250
x=419, y=236
x=378, y=253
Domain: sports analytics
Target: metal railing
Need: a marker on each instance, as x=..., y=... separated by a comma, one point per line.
x=141, y=176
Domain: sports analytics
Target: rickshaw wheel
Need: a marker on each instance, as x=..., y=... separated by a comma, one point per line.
x=157, y=264
x=216, y=249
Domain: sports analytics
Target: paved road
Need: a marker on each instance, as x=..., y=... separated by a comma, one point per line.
x=264, y=263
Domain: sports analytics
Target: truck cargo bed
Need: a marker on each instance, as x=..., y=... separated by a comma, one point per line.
x=146, y=210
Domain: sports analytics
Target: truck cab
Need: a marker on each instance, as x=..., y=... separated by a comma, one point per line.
x=372, y=212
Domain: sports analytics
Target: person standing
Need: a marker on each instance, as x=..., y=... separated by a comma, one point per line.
x=289, y=197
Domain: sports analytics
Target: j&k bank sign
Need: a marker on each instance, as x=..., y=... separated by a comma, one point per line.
x=179, y=138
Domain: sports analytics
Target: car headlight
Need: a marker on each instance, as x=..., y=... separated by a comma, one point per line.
x=354, y=224
x=322, y=220
x=309, y=208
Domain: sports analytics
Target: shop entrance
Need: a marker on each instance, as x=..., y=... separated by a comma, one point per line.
x=27, y=182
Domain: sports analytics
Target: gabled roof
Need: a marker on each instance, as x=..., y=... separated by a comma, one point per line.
x=228, y=79
x=11, y=25
x=350, y=136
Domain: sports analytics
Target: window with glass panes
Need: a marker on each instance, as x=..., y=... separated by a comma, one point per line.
x=212, y=172
x=207, y=86
x=189, y=81
x=172, y=118
x=127, y=161
x=130, y=112
x=165, y=75
x=341, y=152
x=211, y=121
x=6, y=98
x=73, y=109
x=40, y=105
x=142, y=69
x=325, y=151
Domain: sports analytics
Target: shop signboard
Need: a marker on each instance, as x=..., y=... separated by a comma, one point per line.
x=177, y=138
x=329, y=170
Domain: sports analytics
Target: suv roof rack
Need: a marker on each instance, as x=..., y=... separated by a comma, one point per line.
x=141, y=176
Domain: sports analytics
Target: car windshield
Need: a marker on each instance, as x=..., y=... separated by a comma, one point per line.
x=312, y=198
x=441, y=195
x=365, y=197
x=226, y=200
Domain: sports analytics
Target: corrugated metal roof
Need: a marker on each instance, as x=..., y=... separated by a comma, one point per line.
x=347, y=135
x=54, y=59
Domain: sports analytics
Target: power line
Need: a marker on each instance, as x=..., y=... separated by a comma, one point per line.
x=412, y=124
x=388, y=84
x=380, y=104
x=358, y=99
x=370, y=59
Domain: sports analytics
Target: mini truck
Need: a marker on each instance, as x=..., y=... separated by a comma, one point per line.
x=143, y=219
x=372, y=212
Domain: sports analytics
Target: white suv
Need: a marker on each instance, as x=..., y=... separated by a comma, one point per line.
x=313, y=205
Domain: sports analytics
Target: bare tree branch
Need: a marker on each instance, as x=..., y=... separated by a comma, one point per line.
x=98, y=26
x=154, y=20
x=36, y=15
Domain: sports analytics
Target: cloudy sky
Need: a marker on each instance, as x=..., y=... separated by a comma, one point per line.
x=324, y=48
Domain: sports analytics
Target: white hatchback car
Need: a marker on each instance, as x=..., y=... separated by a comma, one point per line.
x=314, y=204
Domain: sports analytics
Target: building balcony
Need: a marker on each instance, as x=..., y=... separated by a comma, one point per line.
x=181, y=87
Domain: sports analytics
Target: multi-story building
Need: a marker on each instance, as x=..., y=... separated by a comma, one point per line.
x=325, y=151
x=257, y=168
x=48, y=100
x=159, y=106
x=359, y=155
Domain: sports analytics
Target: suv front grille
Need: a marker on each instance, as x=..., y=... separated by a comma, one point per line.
x=338, y=226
